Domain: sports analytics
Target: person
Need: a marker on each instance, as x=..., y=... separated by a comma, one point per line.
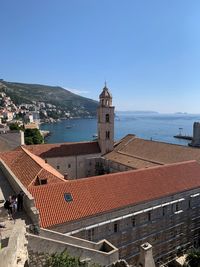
x=20, y=197
x=8, y=207
x=14, y=203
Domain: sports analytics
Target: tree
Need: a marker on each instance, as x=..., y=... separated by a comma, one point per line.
x=193, y=258
x=33, y=136
x=14, y=127
x=63, y=259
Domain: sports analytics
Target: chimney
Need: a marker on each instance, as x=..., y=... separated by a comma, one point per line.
x=22, y=138
x=146, y=256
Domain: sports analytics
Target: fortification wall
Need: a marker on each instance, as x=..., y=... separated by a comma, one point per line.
x=17, y=186
x=85, y=250
x=16, y=253
x=196, y=134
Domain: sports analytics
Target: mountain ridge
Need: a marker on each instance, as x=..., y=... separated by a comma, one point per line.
x=56, y=95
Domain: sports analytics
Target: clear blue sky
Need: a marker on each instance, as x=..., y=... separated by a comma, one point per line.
x=147, y=50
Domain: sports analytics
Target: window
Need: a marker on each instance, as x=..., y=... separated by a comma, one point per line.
x=91, y=234
x=163, y=211
x=45, y=160
x=107, y=118
x=43, y=181
x=68, y=197
x=69, y=165
x=133, y=222
x=58, y=167
x=107, y=134
x=115, y=227
x=176, y=206
x=149, y=216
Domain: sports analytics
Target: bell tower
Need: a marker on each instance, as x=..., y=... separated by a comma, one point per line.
x=105, y=121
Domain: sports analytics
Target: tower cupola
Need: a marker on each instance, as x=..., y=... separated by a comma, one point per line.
x=105, y=97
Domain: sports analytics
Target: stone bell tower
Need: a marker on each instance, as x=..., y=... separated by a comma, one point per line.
x=105, y=121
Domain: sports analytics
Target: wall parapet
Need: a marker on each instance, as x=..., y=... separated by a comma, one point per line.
x=16, y=253
x=17, y=186
x=51, y=242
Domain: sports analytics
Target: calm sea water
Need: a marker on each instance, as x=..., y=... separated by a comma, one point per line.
x=160, y=127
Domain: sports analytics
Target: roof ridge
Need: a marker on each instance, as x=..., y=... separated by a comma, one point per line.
x=162, y=142
x=39, y=161
x=137, y=157
x=57, y=144
x=134, y=171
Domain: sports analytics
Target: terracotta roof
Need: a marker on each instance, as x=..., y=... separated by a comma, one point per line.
x=101, y=194
x=28, y=167
x=64, y=149
x=139, y=153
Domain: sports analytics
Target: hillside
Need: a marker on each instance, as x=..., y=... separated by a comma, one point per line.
x=63, y=99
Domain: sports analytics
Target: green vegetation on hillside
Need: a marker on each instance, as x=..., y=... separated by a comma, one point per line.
x=63, y=99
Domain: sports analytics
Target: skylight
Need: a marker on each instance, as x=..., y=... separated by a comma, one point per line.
x=68, y=197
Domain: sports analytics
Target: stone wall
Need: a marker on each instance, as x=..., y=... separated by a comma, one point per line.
x=74, y=166
x=196, y=134
x=167, y=223
x=49, y=242
x=17, y=186
x=16, y=253
x=96, y=164
x=11, y=139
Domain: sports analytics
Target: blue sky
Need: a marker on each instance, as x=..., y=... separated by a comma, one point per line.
x=147, y=50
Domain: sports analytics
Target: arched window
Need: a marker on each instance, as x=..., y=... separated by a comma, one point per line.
x=107, y=134
x=107, y=118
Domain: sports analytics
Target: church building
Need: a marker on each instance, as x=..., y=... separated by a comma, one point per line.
x=127, y=192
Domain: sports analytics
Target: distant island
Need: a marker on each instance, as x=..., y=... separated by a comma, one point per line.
x=145, y=112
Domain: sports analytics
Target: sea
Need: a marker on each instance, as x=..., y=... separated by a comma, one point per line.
x=150, y=126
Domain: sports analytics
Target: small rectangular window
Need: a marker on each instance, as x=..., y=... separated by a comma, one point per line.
x=149, y=216
x=69, y=165
x=107, y=118
x=68, y=197
x=43, y=181
x=133, y=222
x=115, y=227
x=58, y=167
x=163, y=211
x=176, y=206
x=89, y=234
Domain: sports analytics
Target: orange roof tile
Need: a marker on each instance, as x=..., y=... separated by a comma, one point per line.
x=27, y=167
x=139, y=153
x=64, y=149
x=100, y=194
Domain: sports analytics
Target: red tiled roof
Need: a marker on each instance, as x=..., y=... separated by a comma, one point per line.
x=139, y=153
x=27, y=167
x=64, y=149
x=100, y=194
